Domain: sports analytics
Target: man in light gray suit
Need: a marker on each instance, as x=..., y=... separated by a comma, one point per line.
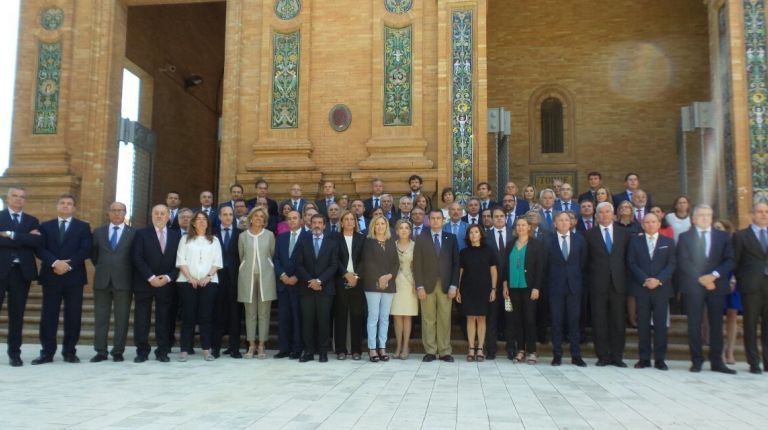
x=112, y=281
x=548, y=211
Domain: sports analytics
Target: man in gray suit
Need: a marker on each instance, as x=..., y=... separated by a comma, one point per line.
x=548, y=211
x=112, y=281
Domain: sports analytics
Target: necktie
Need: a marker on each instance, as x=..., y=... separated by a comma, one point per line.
x=454, y=229
x=317, y=246
x=509, y=220
x=651, y=245
x=629, y=195
x=473, y=220
x=564, y=247
x=437, y=243
x=566, y=206
x=328, y=202
x=639, y=215
x=161, y=239
x=589, y=223
x=416, y=232
x=292, y=243
x=62, y=230
x=764, y=239
x=501, y=241
x=15, y=220
x=361, y=223
x=485, y=205
x=703, y=245
x=608, y=240
x=375, y=202
x=113, y=238
x=226, y=238
x=333, y=228
x=548, y=217
x=296, y=204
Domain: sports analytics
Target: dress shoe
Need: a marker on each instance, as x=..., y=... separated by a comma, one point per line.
x=490, y=356
x=601, y=363
x=163, y=358
x=556, y=361
x=215, y=353
x=661, y=365
x=118, y=358
x=140, y=359
x=447, y=358
x=752, y=369
x=577, y=361
x=511, y=356
x=356, y=356
x=341, y=356
x=236, y=354
x=71, y=358
x=42, y=360
x=295, y=356
x=619, y=363
x=98, y=358
x=15, y=362
x=323, y=357
x=428, y=358
x=722, y=368
x=642, y=364
x=227, y=351
x=281, y=354
x=695, y=368
x=306, y=357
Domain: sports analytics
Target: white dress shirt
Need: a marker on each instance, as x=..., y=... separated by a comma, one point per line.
x=199, y=256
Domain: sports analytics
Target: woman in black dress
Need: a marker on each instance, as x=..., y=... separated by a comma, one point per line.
x=477, y=277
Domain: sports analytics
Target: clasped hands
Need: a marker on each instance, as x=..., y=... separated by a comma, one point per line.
x=288, y=280
x=651, y=283
x=199, y=283
x=314, y=284
x=708, y=281
x=61, y=267
x=7, y=234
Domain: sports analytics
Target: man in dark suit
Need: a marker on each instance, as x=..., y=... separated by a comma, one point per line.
x=586, y=216
x=371, y=203
x=227, y=307
x=154, y=260
x=705, y=257
x=417, y=223
x=289, y=304
x=473, y=213
x=508, y=204
x=651, y=259
x=173, y=201
x=498, y=239
x=296, y=200
x=316, y=265
x=567, y=259
x=235, y=194
x=632, y=184
x=19, y=238
x=607, y=249
x=416, y=184
x=484, y=195
x=262, y=187
x=595, y=181
x=387, y=205
x=65, y=246
x=329, y=196
x=358, y=209
x=565, y=202
x=751, y=251
x=521, y=206
x=206, y=202
x=112, y=282
x=333, y=224
x=436, y=275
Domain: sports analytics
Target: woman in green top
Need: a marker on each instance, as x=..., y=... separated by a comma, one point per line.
x=522, y=284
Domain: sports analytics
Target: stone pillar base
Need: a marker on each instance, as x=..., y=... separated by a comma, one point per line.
x=282, y=156
x=394, y=153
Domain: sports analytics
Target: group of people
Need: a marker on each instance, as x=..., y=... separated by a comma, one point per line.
x=523, y=267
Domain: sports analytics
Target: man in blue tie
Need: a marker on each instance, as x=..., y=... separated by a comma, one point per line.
x=329, y=197
x=227, y=315
x=508, y=203
x=548, y=212
x=417, y=219
x=484, y=195
x=455, y=225
x=112, y=282
x=289, y=307
x=565, y=202
x=373, y=202
x=358, y=209
x=334, y=219
x=607, y=273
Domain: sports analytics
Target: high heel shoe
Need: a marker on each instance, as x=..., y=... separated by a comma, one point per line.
x=251, y=351
x=262, y=354
x=207, y=356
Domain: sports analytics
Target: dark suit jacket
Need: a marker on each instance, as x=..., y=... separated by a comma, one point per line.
x=76, y=247
x=588, y=195
x=368, y=203
x=535, y=263
x=692, y=263
x=213, y=218
x=607, y=272
x=149, y=260
x=300, y=208
x=642, y=267
x=23, y=245
x=620, y=197
x=428, y=267
x=582, y=227
x=492, y=240
x=322, y=207
x=174, y=223
x=573, y=208
x=751, y=261
x=230, y=203
x=566, y=275
x=112, y=266
x=491, y=204
x=271, y=207
x=322, y=267
x=357, y=254
x=377, y=262
x=230, y=254
x=465, y=218
x=521, y=206
x=284, y=262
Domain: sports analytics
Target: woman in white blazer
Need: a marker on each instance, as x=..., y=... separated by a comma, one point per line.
x=256, y=281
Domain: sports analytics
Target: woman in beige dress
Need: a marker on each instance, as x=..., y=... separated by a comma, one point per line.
x=405, y=303
x=256, y=279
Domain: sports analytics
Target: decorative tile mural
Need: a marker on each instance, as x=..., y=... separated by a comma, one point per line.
x=398, y=6
x=755, y=46
x=52, y=18
x=48, y=87
x=462, y=98
x=398, y=59
x=287, y=9
x=285, y=80
x=724, y=72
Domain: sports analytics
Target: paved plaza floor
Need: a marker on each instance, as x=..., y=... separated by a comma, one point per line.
x=284, y=394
